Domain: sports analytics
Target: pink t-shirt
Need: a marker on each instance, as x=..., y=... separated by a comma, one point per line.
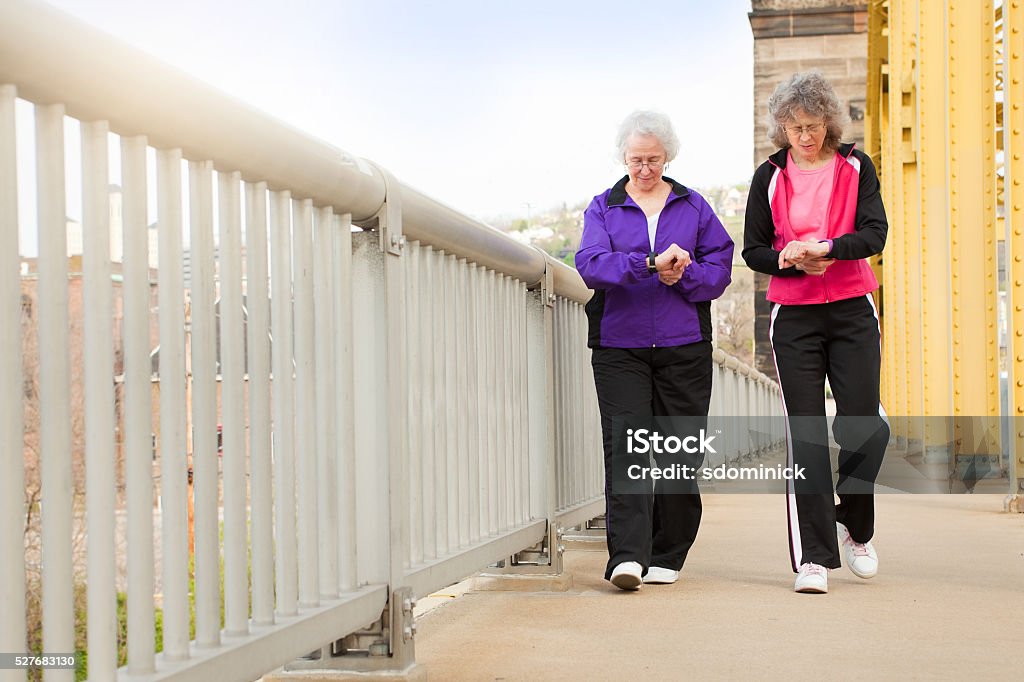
x=809, y=203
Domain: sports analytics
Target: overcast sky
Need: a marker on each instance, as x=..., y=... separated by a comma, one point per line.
x=484, y=106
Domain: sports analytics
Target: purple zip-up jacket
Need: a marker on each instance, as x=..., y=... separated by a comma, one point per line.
x=631, y=308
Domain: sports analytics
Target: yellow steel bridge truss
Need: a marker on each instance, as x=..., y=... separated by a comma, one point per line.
x=945, y=128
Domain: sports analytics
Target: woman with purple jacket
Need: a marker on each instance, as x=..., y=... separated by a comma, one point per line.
x=656, y=256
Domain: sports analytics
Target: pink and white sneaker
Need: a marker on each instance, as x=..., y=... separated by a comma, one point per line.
x=861, y=557
x=811, y=579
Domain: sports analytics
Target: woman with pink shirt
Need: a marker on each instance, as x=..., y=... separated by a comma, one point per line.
x=814, y=214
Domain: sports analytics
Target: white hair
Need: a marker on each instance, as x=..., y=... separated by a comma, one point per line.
x=653, y=123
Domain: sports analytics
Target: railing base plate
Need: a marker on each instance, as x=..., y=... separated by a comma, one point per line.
x=523, y=582
x=414, y=673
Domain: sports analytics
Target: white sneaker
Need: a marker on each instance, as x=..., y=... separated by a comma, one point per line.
x=861, y=557
x=626, y=576
x=812, y=578
x=657, y=575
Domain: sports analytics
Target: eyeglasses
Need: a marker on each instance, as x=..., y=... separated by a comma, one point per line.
x=637, y=164
x=812, y=129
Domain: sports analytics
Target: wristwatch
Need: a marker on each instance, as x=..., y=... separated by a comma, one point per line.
x=651, y=267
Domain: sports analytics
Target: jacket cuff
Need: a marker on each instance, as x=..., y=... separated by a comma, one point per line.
x=638, y=265
x=688, y=275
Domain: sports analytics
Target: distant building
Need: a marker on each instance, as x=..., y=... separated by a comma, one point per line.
x=735, y=203
x=76, y=239
x=32, y=352
x=790, y=36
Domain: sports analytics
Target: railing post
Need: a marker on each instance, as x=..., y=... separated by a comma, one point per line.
x=204, y=405
x=344, y=346
x=258, y=371
x=173, y=460
x=99, y=404
x=283, y=400
x=12, y=485
x=305, y=406
x=541, y=340
x=393, y=244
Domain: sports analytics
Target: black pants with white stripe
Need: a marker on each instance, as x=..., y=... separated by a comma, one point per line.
x=838, y=340
x=658, y=528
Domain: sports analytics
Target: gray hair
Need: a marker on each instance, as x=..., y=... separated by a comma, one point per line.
x=652, y=123
x=815, y=95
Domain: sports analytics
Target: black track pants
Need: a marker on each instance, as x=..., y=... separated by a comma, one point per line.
x=839, y=340
x=654, y=529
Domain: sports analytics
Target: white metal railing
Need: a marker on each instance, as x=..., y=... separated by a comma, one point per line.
x=399, y=406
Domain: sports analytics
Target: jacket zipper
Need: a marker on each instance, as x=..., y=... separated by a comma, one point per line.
x=654, y=337
x=654, y=291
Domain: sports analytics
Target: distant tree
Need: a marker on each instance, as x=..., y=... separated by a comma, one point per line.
x=734, y=317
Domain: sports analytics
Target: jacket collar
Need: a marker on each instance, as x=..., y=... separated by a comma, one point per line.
x=780, y=157
x=618, y=195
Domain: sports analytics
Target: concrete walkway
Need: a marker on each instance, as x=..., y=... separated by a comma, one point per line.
x=948, y=603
